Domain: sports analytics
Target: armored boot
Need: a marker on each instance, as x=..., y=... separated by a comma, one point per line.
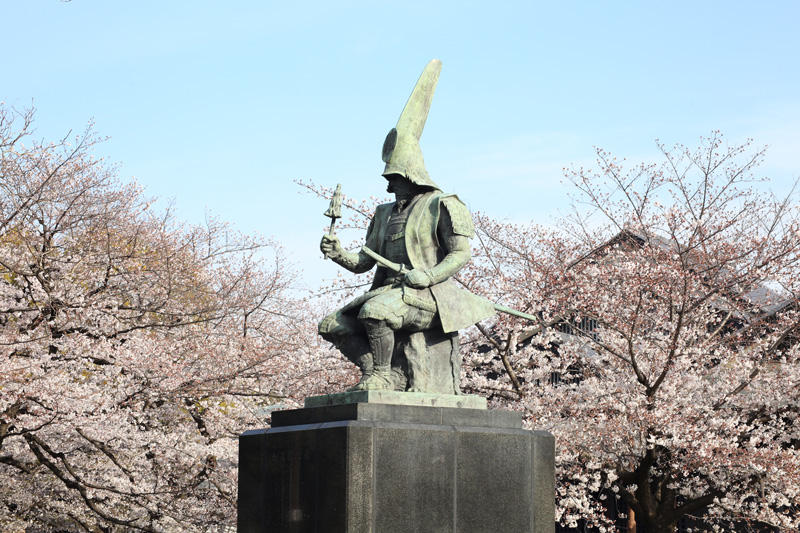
x=367, y=368
x=356, y=349
x=381, y=340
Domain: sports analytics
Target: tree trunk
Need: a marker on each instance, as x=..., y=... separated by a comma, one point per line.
x=631, y=521
x=652, y=519
x=663, y=528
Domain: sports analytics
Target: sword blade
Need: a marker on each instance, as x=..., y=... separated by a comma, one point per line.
x=391, y=265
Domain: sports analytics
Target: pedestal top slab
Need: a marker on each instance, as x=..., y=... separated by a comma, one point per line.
x=463, y=401
x=398, y=414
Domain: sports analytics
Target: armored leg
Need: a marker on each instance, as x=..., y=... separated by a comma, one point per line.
x=368, y=339
x=381, y=316
x=345, y=332
x=381, y=340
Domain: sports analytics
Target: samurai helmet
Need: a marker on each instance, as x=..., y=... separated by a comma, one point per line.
x=401, y=151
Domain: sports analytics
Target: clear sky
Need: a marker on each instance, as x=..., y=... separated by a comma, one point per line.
x=220, y=105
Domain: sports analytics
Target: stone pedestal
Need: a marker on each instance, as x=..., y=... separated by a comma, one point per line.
x=385, y=468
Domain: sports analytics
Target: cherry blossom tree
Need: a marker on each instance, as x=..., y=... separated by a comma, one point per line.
x=133, y=349
x=665, y=359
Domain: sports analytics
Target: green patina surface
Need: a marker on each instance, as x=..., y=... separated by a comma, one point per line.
x=403, y=333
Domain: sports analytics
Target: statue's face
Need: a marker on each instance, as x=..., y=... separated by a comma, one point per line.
x=399, y=185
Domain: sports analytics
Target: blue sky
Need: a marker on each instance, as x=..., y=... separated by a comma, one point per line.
x=220, y=105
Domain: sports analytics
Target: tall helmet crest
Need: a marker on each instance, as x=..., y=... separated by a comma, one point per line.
x=401, y=151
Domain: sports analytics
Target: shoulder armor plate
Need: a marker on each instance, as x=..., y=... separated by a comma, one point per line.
x=459, y=216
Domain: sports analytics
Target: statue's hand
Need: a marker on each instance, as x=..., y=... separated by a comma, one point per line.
x=330, y=246
x=418, y=279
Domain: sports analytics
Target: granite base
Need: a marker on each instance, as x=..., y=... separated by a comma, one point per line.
x=384, y=468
